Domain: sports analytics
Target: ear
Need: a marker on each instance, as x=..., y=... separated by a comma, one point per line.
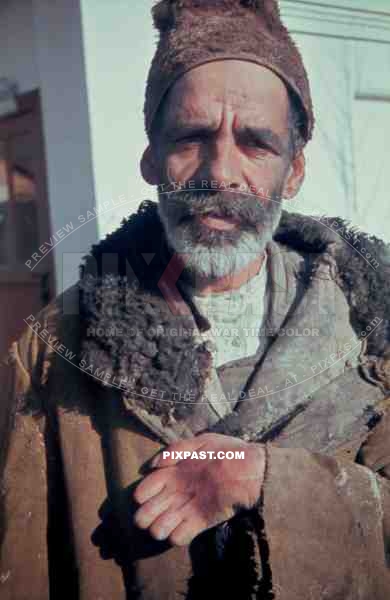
x=295, y=177
x=149, y=169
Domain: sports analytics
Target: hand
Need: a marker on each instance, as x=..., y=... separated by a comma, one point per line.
x=184, y=496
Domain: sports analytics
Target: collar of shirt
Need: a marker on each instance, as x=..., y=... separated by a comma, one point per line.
x=235, y=318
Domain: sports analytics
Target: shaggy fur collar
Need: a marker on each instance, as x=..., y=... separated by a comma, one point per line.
x=124, y=313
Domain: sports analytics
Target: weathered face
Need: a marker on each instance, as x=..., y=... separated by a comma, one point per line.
x=224, y=135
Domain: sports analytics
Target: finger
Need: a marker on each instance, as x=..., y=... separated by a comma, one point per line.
x=157, y=505
x=163, y=526
x=190, y=526
x=150, y=486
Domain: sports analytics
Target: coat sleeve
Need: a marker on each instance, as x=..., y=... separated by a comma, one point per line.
x=327, y=522
x=23, y=478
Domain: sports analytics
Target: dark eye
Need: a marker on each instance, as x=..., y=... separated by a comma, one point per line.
x=258, y=148
x=254, y=143
x=189, y=139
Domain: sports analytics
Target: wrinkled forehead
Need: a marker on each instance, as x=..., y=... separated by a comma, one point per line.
x=252, y=92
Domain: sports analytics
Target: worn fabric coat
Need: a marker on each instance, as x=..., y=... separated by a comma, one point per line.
x=80, y=418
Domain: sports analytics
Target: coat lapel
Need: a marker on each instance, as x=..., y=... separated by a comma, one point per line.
x=163, y=369
x=141, y=337
x=306, y=390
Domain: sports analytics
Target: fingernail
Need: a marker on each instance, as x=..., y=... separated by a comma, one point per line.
x=155, y=460
x=161, y=534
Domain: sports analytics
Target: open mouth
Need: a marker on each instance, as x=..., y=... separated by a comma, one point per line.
x=215, y=221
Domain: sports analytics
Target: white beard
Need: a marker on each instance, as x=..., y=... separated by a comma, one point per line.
x=224, y=259
x=211, y=263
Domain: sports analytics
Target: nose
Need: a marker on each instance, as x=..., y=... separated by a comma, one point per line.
x=221, y=164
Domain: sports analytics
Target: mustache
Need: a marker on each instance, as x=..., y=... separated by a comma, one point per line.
x=247, y=209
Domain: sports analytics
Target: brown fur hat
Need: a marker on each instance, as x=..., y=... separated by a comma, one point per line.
x=194, y=32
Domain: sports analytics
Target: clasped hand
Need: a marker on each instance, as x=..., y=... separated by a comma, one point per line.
x=182, y=497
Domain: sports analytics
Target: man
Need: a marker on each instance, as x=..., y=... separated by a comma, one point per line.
x=211, y=324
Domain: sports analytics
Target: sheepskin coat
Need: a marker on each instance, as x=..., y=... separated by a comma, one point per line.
x=79, y=420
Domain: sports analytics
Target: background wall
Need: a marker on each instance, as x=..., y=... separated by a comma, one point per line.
x=119, y=45
x=347, y=56
x=60, y=55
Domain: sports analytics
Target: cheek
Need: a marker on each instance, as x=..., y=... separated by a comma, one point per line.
x=265, y=178
x=182, y=166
